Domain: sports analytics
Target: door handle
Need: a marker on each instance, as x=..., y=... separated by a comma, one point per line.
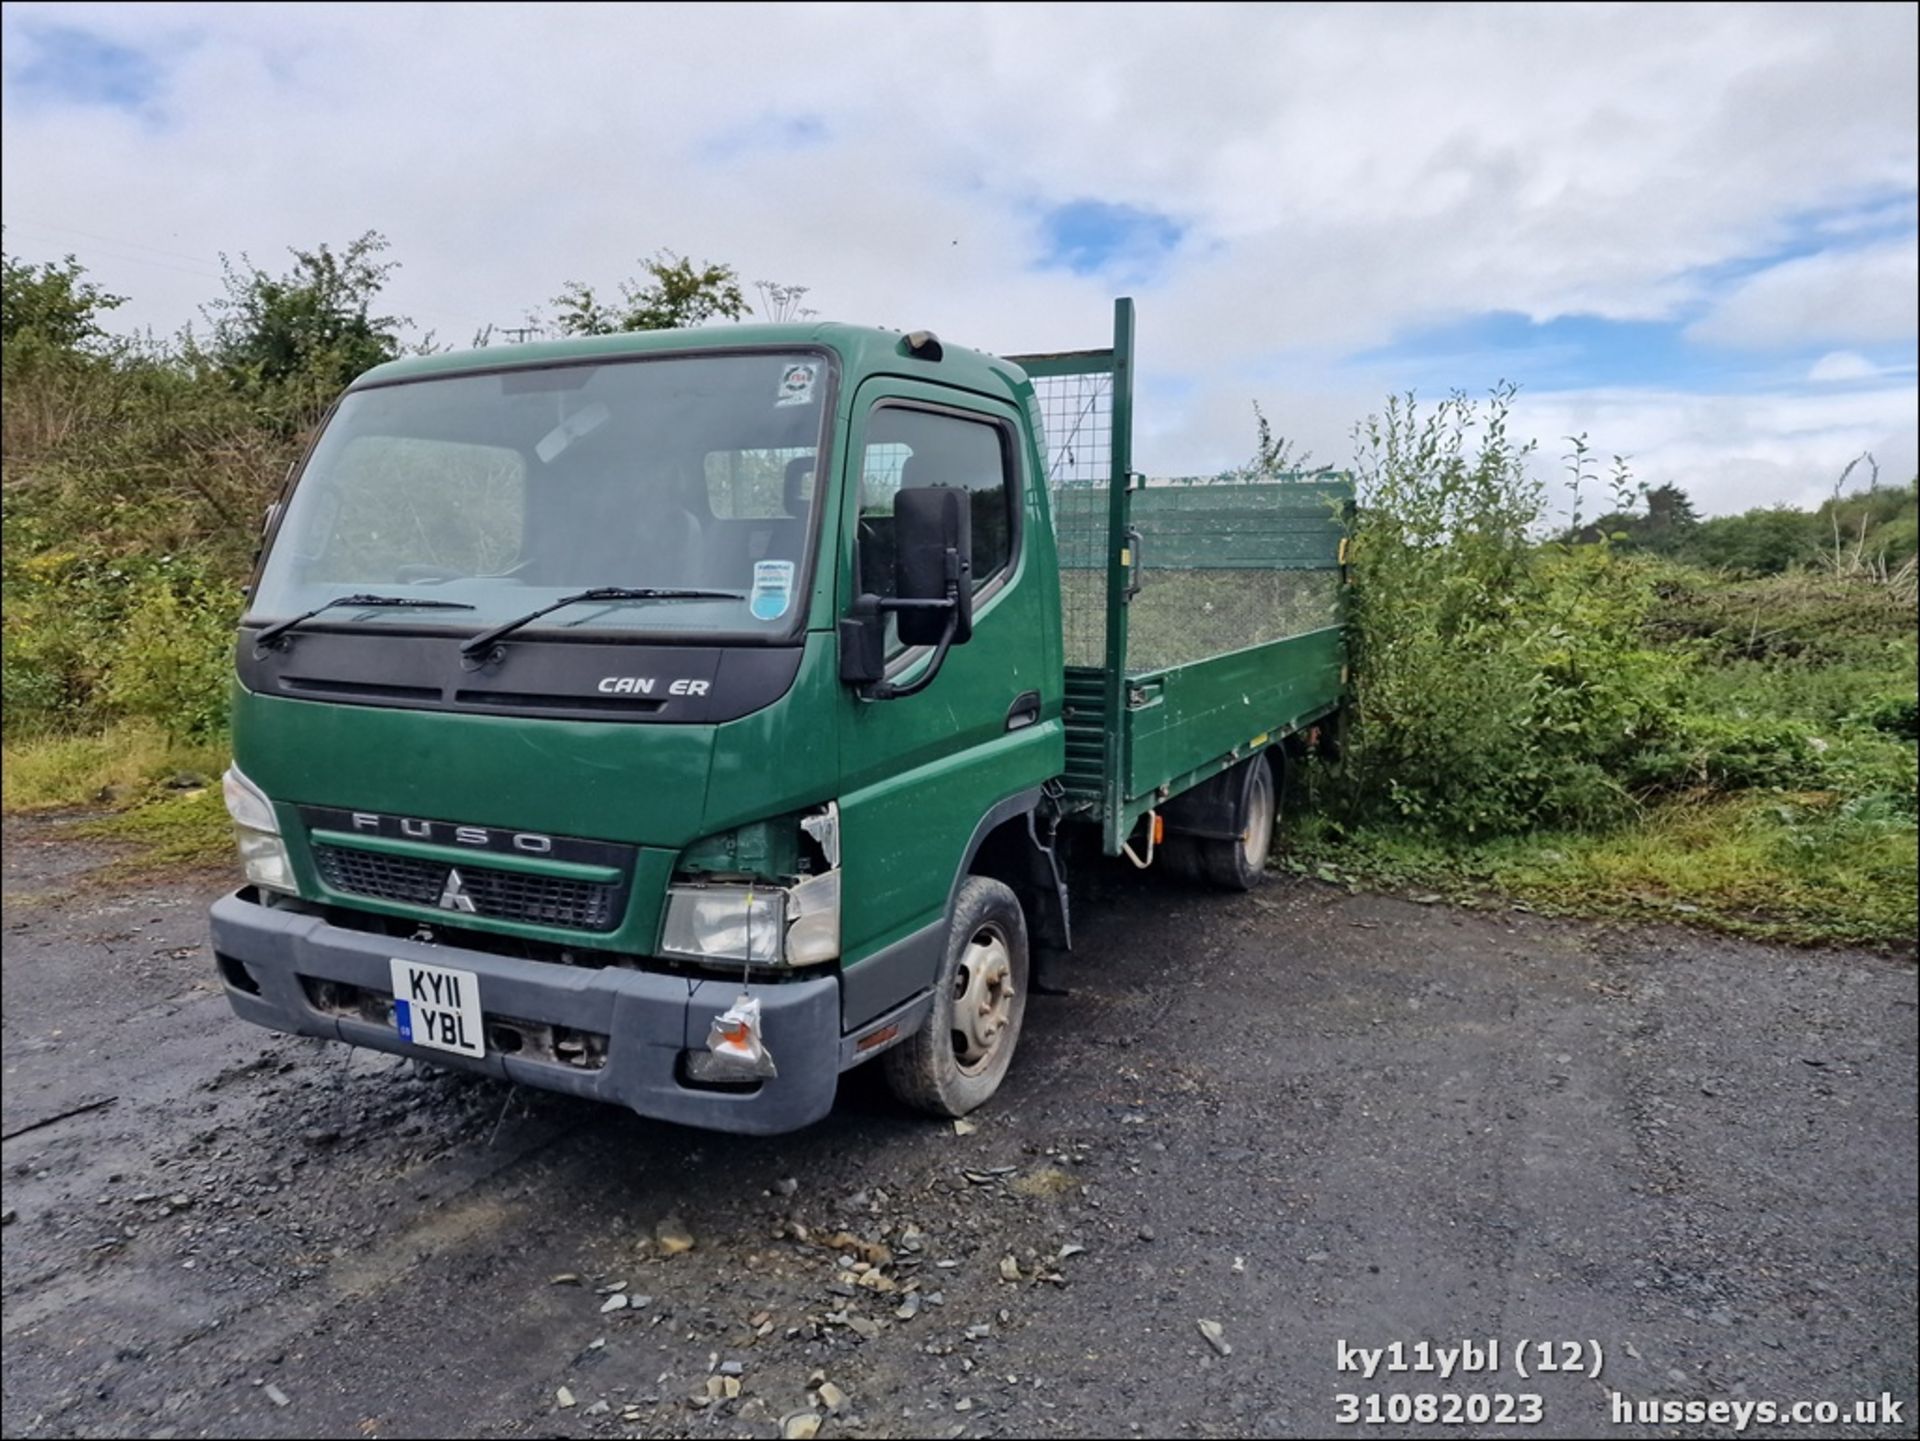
x=1024, y=711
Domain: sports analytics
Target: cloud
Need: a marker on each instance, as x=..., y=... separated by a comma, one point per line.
x=1865, y=296
x=1732, y=452
x=1841, y=365
x=768, y=132
x=1285, y=188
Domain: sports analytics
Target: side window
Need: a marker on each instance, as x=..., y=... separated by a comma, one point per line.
x=907, y=447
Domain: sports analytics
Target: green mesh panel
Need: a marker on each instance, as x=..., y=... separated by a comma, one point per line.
x=1227, y=564
x=1076, y=418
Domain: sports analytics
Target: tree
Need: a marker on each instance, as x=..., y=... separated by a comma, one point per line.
x=51, y=308
x=1764, y=541
x=675, y=294
x=314, y=324
x=1667, y=528
x=1670, y=520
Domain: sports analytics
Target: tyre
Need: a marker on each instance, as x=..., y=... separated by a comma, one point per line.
x=958, y=1059
x=1239, y=863
x=1180, y=858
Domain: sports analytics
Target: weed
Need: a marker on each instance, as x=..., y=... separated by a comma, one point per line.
x=181, y=830
x=120, y=766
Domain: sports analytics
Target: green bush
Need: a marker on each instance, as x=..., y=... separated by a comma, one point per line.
x=1897, y=715
x=1500, y=684
x=96, y=633
x=1730, y=753
x=174, y=662
x=1577, y=724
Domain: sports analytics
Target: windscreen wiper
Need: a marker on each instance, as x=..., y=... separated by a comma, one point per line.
x=267, y=638
x=484, y=642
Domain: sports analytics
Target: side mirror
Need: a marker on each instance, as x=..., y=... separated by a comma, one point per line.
x=933, y=540
x=933, y=573
x=796, y=487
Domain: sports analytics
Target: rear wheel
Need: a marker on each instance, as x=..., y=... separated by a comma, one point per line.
x=1239, y=863
x=958, y=1059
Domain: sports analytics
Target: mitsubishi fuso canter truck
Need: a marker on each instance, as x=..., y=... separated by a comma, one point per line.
x=680, y=719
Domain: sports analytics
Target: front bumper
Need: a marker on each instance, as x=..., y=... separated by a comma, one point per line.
x=288, y=970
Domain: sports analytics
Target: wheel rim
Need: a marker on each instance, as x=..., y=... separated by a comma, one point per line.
x=983, y=993
x=1258, y=835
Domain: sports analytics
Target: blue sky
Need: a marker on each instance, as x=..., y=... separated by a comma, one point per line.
x=1581, y=351
x=1689, y=231
x=1098, y=238
x=73, y=65
x=1707, y=345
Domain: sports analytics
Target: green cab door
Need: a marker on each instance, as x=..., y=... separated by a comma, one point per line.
x=921, y=774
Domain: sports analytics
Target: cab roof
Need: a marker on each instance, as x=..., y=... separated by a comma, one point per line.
x=862, y=350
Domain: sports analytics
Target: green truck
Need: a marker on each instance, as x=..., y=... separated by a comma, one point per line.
x=682, y=719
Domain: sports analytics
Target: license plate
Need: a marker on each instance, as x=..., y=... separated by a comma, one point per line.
x=437, y=1006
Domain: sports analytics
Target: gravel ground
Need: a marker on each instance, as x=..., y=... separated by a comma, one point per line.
x=1299, y=1117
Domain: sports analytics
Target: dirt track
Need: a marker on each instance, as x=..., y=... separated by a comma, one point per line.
x=1306, y=1116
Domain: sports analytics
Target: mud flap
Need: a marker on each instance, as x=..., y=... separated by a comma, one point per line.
x=1050, y=922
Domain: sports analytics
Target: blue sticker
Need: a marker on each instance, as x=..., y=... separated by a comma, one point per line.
x=772, y=588
x=403, y=1018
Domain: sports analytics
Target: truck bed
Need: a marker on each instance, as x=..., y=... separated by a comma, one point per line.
x=1203, y=617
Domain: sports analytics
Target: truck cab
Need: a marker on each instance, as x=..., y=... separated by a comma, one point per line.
x=672, y=719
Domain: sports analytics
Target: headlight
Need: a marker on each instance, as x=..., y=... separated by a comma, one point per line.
x=813, y=933
x=247, y=804
x=265, y=859
x=726, y=923
x=256, y=832
x=755, y=925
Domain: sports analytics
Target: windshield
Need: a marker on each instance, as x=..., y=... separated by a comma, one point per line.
x=510, y=490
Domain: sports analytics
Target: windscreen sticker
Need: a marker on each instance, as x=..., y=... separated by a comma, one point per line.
x=772, y=587
x=796, y=383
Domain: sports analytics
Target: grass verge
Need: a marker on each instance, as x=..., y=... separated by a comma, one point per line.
x=163, y=795
x=1808, y=868
x=186, y=829
x=120, y=766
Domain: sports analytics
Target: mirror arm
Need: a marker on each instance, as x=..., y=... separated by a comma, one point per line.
x=887, y=690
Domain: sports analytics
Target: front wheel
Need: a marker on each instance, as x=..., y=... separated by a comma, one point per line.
x=958, y=1059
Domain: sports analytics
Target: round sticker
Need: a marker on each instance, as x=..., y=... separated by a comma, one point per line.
x=796, y=383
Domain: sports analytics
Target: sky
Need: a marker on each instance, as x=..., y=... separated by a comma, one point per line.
x=1688, y=232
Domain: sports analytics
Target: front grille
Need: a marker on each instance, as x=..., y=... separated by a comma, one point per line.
x=496, y=894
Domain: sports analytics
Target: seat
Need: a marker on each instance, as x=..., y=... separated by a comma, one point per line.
x=669, y=549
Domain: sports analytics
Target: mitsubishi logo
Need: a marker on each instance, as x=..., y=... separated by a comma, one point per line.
x=453, y=896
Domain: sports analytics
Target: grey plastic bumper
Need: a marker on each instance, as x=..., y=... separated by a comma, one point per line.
x=647, y=1018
